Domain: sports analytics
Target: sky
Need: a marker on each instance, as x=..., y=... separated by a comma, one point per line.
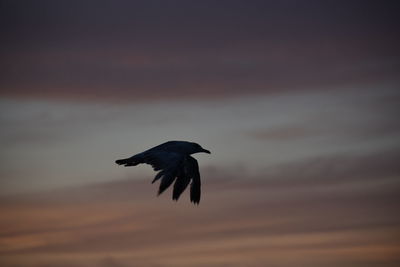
x=296, y=100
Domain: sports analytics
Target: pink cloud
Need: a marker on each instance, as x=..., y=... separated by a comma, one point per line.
x=287, y=218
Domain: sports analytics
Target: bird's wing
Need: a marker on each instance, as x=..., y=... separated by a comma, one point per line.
x=161, y=160
x=172, y=167
x=189, y=172
x=158, y=157
x=167, y=163
x=195, y=187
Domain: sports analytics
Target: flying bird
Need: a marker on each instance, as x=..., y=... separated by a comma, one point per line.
x=174, y=163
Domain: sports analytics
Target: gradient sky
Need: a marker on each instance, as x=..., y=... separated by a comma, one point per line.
x=297, y=101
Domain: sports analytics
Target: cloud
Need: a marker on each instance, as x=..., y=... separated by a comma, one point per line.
x=282, y=133
x=368, y=117
x=136, y=51
x=331, y=211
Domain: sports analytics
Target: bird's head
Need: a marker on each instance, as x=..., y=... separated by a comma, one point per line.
x=196, y=148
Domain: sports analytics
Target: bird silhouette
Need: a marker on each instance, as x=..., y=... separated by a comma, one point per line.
x=174, y=163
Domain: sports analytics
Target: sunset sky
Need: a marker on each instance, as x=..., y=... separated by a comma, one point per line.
x=298, y=102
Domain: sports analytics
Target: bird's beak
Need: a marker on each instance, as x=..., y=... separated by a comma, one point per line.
x=205, y=151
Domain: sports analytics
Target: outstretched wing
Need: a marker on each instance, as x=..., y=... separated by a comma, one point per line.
x=189, y=172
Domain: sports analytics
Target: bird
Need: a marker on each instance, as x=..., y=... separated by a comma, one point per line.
x=174, y=162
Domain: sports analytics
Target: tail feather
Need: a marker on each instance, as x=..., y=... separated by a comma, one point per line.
x=121, y=161
x=132, y=161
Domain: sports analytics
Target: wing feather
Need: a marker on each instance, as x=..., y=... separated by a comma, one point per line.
x=161, y=160
x=192, y=170
x=173, y=167
x=181, y=183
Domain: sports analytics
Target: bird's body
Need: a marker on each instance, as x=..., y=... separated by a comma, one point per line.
x=174, y=163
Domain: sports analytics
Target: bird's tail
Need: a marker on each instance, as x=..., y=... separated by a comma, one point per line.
x=132, y=161
x=121, y=161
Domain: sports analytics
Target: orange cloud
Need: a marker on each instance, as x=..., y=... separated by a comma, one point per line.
x=281, y=220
